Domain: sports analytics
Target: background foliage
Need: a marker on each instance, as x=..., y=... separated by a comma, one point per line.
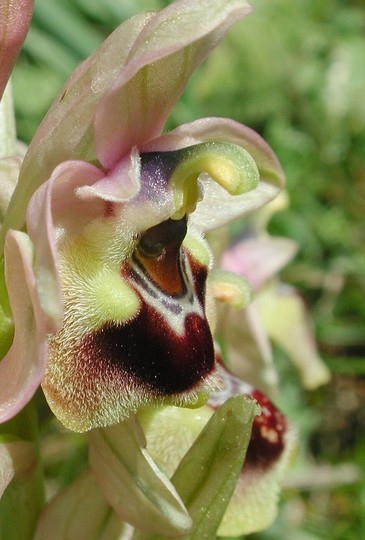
x=293, y=71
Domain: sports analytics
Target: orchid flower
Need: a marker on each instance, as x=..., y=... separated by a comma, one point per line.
x=113, y=263
x=277, y=313
x=107, y=293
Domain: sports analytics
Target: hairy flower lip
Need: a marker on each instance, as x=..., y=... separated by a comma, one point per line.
x=143, y=203
x=157, y=374
x=169, y=325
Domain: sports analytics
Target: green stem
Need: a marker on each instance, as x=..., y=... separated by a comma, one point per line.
x=23, y=499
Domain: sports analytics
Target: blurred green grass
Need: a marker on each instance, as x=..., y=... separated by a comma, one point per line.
x=294, y=71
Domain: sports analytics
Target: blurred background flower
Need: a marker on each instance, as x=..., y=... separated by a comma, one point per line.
x=295, y=74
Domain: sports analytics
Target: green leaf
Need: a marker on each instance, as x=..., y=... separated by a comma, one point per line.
x=132, y=483
x=207, y=475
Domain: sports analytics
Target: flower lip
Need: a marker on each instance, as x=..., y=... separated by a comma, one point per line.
x=159, y=354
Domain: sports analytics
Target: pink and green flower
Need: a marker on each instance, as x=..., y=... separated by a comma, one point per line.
x=113, y=263
x=107, y=294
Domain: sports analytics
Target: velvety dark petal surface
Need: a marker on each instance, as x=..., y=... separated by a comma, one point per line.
x=149, y=352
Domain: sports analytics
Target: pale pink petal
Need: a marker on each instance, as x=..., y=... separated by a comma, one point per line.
x=287, y=322
x=65, y=182
x=15, y=17
x=40, y=229
x=52, y=200
x=259, y=259
x=66, y=132
x=170, y=47
x=16, y=458
x=120, y=184
x=22, y=369
x=218, y=207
